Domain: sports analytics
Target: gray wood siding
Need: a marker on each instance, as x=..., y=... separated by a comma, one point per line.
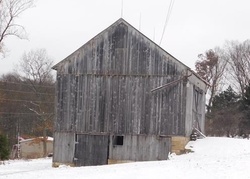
x=120, y=104
x=121, y=50
x=105, y=86
x=64, y=147
x=91, y=150
x=195, y=105
x=141, y=148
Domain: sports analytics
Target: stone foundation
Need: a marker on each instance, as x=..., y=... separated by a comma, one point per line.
x=178, y=144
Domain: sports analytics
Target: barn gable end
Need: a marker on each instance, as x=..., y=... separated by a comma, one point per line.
x=107, y=91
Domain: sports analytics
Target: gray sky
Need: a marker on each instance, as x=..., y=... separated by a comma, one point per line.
x=62, y=26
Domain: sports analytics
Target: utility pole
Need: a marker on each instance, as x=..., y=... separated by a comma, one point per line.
x=122, y=9
x=18, y=140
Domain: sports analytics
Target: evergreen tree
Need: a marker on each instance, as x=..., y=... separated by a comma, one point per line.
x=4, y=148
x=225, y=116
x=245, y=109
x=225, y=99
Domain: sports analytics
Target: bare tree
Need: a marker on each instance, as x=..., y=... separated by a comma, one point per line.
x=1, y=104
x=211, y=67
x=16, y=112
x=10, y=10
x=35, y=67
x=238, y=57
x=11, y=105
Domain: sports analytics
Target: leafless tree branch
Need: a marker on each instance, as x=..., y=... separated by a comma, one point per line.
x=238, y=56
x=10, y=10
x=211, y=67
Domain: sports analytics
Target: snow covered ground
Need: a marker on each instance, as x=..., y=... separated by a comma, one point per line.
x=213, y=158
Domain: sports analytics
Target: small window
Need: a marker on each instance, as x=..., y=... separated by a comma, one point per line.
x=118, y=140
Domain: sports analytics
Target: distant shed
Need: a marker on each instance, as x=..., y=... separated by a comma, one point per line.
x=33, y=148
x=120, y=97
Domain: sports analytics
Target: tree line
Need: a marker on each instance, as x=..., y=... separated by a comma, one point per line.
x=21, y=101
x=27, y=99
x=227, y=71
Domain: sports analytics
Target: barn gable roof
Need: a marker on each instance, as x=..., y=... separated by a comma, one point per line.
x=118, y=22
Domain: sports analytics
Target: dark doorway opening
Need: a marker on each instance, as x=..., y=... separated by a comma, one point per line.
x=91, y=150
x=118, y=140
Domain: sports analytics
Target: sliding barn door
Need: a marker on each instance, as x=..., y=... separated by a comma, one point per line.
x=91, y=150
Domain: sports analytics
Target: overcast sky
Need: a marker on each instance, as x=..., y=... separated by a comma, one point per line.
x=62, y=26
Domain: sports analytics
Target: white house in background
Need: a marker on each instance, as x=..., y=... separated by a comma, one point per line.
x=32, y=148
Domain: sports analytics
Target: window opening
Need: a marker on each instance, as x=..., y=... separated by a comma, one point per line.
x=118, y=140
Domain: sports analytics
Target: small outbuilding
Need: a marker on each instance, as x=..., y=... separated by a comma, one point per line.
x=32, y=148
x=121, y=97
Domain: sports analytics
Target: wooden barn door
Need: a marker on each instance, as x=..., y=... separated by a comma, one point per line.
x=91, y=150
x=197, y=109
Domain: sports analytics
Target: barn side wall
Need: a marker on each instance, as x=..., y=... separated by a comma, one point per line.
x=64, y=148
x=195, y=108
x=140, y=148
x=105, y=86
x=120, y=104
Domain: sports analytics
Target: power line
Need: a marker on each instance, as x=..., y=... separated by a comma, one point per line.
x=16, y=91
x=16, y=113
x=18, y=116
x=167, y=18
x=13, y=100
x=47, y=86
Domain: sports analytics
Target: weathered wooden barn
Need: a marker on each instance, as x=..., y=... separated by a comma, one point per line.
x=120, y=97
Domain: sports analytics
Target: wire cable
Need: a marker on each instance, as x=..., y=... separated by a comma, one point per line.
x=17, y=113
x=44, y=86
x=167, y=19
x=13, y=100
x=24, y=92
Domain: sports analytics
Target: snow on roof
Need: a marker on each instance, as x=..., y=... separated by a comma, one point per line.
x=26, y=140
